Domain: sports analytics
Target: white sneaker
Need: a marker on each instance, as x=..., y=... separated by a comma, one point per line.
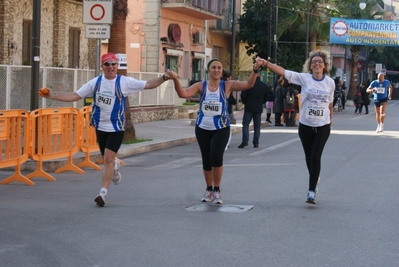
x=311, y=197
x=208, y=196
x=116, y=179
x=217, y=198
x=100, y=200
x=378, y=128
x=381, y=127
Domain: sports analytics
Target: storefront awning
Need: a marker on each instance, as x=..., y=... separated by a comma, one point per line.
x=173, y=52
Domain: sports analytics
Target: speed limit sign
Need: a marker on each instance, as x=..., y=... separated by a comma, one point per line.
x=97, y=11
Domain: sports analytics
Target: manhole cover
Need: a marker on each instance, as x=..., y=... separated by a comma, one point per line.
x=220, y=208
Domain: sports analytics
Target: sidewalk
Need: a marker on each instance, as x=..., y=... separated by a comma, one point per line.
x=163, y=134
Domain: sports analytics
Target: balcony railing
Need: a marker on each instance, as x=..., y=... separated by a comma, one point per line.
x=223, y=26
x=202, y=9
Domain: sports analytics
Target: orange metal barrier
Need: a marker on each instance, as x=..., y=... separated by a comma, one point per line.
x=55, y=134
x=88, y=139
x=14, y=143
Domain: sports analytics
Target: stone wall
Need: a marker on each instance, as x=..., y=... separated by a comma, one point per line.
x=144, y=114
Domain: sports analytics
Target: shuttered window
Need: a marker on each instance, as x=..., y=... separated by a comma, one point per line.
x=27, y=42
x=73, y=48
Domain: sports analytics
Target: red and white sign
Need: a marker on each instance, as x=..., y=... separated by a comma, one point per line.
x=98, y=11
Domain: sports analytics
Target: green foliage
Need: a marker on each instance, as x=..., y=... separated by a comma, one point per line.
x=254, y=27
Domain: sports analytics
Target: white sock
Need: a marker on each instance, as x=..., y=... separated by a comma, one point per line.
x=103, y=191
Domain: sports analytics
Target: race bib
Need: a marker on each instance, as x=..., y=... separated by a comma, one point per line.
x=105, y=102
x=315, y=113
x=380, y=90
x=211, y=108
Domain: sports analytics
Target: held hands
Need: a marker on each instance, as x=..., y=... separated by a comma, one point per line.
x=258, y=63
x=261, y=61
x=170, y=75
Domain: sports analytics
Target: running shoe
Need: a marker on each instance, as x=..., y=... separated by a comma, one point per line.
x=311, y=197
x=100, y=200
x=378, y=129
x=117, y=177
x=217, y=198
x=381, y=127
x=208, y=196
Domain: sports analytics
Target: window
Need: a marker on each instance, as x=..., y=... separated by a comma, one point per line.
x=73, y=47
x=171, y=64
x=196, y=75
x=27, y=42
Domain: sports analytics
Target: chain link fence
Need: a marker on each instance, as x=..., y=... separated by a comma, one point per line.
x=15, y=87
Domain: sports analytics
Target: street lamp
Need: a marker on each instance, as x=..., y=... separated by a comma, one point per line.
x=362, y=5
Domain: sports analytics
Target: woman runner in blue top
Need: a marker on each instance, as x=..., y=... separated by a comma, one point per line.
x=213, y=122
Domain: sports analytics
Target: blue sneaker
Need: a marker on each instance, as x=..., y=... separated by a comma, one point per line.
x=311, y=197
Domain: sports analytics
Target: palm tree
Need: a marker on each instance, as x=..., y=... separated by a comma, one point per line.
x=296, y=18
x=117, y=44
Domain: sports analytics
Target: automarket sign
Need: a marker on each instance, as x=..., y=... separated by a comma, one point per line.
x=364, y=32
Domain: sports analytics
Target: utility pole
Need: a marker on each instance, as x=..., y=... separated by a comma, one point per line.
x=233, y=37
x=35, y=65
x=307, y=29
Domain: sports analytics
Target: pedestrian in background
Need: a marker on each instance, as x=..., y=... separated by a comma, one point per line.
x=253, y=99
x=382, y=90
x=270, y=103
x=358, y=101
x=109, y=92
x=213, y=122
x=289, y=94
x=279, y=102
x=227, y=76
x=365, y=98
x=316, y=109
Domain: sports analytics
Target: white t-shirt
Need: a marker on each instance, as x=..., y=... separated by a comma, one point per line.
x=108, y=107
x=316, y=96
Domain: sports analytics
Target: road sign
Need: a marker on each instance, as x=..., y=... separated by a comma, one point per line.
x=98, y=31
x=378, y=68
x=98, y=11
x=122, y=61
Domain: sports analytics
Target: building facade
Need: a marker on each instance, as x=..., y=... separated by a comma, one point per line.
x=180, y=35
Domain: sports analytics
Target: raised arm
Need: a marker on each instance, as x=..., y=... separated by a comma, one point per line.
x=154, y=83
x=244, y=85
x=186, y=92
x=273, y=67
x=64, y=97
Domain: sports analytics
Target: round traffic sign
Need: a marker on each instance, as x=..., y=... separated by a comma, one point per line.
x=97, y=12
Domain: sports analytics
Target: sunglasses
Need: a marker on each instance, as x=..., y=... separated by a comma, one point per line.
x=317, y=61
x=107, y=64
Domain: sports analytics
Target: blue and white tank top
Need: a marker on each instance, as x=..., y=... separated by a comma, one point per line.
x=108, y=108
x=213, y=112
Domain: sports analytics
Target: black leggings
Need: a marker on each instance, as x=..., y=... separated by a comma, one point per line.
x=313, y=140
x=212, y=145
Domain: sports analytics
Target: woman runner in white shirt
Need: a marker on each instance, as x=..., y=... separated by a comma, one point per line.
x=317, y=94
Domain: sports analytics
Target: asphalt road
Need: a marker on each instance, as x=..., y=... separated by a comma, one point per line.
x=155, y=217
